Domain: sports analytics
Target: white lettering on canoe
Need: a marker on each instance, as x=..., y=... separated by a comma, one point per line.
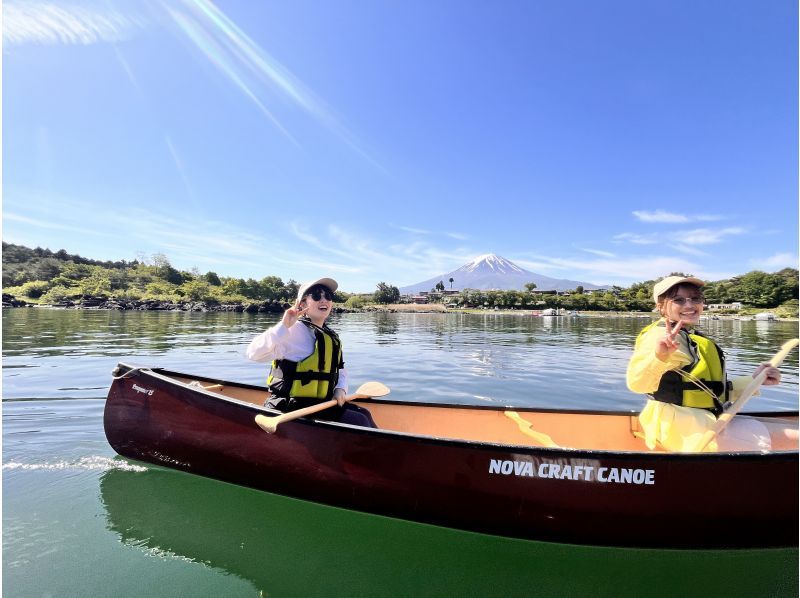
x=148, y=391
x=576, y=470
x=614, y=475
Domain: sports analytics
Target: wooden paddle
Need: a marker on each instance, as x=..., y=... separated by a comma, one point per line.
x=365, y=391
x=747, y=394
x=526, y=428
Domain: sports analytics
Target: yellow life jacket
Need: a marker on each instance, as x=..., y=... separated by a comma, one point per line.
x=314, y=377
x=702, y=383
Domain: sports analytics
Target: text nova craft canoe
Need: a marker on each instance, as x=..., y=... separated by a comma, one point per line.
x=475, y=468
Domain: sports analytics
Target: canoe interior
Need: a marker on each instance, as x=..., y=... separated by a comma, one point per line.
x=567, y=429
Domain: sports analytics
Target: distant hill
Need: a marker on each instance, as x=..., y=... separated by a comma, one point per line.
x=491, y=271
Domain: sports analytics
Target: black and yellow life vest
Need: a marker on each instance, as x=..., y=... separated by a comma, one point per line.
x=702, y=383
x=314, y=377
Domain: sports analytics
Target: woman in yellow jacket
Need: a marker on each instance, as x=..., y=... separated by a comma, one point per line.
x=683, y=371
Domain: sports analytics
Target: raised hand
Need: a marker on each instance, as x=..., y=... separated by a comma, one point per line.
x=669, y=344
x=291, y=315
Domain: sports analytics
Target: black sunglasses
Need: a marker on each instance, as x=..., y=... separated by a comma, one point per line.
x=317, y=293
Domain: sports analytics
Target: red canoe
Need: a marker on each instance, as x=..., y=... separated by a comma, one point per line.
x=467, y=467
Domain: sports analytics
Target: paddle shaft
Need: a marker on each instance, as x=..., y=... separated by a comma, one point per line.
x=746, y=395
x=270, y=424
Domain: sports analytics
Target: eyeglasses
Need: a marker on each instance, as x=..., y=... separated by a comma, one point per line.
x=685, y=300
x=318, y=293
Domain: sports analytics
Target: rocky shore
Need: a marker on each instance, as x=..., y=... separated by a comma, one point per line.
x=91, y=302
x=100, y=302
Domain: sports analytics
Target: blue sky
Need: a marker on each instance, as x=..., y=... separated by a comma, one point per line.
x=607, y=142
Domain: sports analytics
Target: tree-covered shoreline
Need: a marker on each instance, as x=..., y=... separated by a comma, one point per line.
x=43, y=277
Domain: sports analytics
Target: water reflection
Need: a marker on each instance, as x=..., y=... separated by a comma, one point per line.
x=386, y=327
x=286, y=547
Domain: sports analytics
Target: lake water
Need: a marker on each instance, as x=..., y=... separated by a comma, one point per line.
x=80, y=521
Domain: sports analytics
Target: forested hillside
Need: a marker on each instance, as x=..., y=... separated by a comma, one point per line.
x=42, y=276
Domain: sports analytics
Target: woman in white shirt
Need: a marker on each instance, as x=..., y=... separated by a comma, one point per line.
x=306, y=357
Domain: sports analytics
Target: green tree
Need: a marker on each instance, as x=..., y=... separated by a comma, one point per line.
x=764, y=290
x=272, y=288
x=196, y=290
x=32, y=290
x=451, y=283
x=165, y=271
x=530, y=286
x=98, y=283
x=160, y=289
x=212, y=279
x=59, y=293
x=386, y=294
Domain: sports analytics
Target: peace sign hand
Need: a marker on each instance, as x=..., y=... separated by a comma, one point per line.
x=291, y=315
x=669, y=344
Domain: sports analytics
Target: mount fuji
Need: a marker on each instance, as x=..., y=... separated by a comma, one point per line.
x=491, y=271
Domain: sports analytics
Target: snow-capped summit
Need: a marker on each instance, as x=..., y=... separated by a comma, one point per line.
x=491, y=262
x=491, y=271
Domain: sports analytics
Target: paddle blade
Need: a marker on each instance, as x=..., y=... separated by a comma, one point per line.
x=373, y=389
x=268, y=424
x=526, y=428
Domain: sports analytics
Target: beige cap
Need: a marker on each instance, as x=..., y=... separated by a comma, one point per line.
x=326, y=282
x=665, y=284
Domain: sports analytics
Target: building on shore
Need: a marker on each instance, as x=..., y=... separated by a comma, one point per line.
x=736, y=305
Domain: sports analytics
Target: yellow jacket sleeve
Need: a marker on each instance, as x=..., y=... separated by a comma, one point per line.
x=645, y=369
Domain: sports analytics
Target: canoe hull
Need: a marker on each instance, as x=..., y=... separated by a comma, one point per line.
x=564, y=495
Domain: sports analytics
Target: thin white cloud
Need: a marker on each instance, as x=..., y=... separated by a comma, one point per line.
x=178, y=235
x=706, y=236
x=662, y=216
x=538, y=266
x=400, y=264
x=689, y=250
x=357, y=258
x=777, y=261
x=50, y=23
x=409, y=229
x=47, y=224
x=422, y=231
x=619, y=270
x=684, y=238
x=637, y=239
x=598, y=252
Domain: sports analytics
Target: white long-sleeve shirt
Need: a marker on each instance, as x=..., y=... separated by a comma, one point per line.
x=294, y=343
